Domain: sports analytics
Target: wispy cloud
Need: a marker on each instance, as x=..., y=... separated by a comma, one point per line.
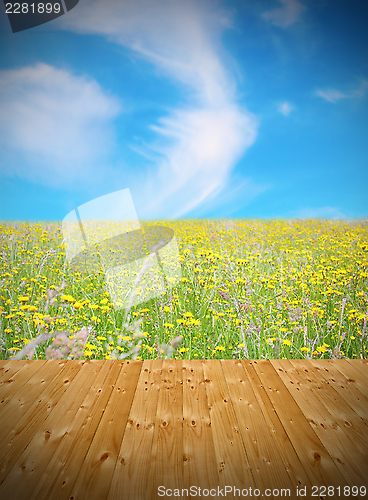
x=198, y=144
x=285, y=108
x=286, y=15
x=236, y=195
x=318, y=213
x=333, y=95
x=54, y=126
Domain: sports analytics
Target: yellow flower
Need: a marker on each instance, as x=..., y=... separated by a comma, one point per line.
x=24, y=298
x=321, y=349
x=286, y=342
x=68, y=298
x=220, y=348
x=305, y=349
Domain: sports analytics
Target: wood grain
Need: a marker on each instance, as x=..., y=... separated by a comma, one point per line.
x=316, y=460
x=361, y=365
x=354, y=427
x=167, y=448
x=118, y=430
x=341, y=449
x=62, y=471
x=345, y=386
x=24, y=430
x=200, y=465
x=22, y=479
x=265, y=460
x=291, y=461
x=13, y=379
x=9, y=368
x=133, y=464
x=98, y=466
x=232, y=460
x=27, y=393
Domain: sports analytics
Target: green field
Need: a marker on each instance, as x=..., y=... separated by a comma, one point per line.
x=249, y=289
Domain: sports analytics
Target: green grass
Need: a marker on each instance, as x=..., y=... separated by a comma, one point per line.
x=257, y=289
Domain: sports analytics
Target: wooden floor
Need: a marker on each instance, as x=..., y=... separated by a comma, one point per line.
x=186, y=429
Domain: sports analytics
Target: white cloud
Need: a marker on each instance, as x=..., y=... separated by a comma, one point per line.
x=54, y=126
x=181, y=38
x=333, y=95
x=199, y=144
x=286, y=15
x=205, y=144
x=285, y=108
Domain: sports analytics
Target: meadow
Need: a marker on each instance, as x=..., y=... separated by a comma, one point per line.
x=249, y=289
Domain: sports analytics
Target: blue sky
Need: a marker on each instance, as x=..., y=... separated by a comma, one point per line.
x=201, y=108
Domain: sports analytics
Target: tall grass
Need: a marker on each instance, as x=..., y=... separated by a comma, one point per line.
x=249, y=289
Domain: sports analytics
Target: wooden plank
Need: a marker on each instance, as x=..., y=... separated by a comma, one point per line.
x=233, y=464
x=22, y=373
x=20, y=403
x=61, y=473
x=340, y=448
x=81, y=459
x=23, y=477
x=361, y=365
x=200, y=466
x=354, y=375
x=317, y=462
x=98, y=466
x=353, y=426
x=362, y=361
x=24, y=430
x=287, y=452
x=133, y=464
x=346, y=387
x=167, y=448
x=265, y=461
x=8, y=368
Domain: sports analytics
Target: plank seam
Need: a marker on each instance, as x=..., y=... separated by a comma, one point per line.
x=323, y=446
x=237, y=422
x=210, y=417
x=97, y=426
x=122, y=437
x=281, y=424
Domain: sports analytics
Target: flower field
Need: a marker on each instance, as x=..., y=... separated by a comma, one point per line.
x=249, y=289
